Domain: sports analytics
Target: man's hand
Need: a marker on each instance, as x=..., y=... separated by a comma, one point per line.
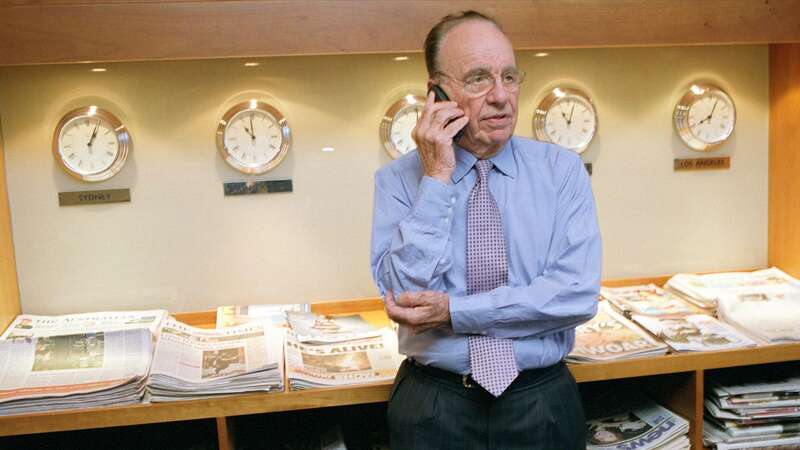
x=419, y=311
x=434, y=137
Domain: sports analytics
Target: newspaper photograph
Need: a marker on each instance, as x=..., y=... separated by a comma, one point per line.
x=275, y=315
x=648, y=300
x=342, y=363
x=312, y=328
x=26, y=326
x=610, y=336
x=71, y=365
x=695, y=333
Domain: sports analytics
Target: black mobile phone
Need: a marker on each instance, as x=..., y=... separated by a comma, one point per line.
x=440, y=96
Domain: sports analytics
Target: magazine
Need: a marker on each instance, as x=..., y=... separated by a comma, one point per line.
x=646, y=425
x=649, y=300
x=696, y=333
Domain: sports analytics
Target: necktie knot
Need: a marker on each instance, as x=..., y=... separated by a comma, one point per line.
x=483, y=166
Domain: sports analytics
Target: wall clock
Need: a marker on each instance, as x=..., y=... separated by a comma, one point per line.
x=567, y=117
x=253, y=137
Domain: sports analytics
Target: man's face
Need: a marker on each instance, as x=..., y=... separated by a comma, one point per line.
x=471, y=48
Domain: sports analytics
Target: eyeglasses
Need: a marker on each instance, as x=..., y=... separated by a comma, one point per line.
x=482, y=82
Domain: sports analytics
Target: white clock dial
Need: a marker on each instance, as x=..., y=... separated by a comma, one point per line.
x=91, y=144
x=566, y=117
x=704, y=117
x=398, y=123
x=253, y=137
x=87, y=145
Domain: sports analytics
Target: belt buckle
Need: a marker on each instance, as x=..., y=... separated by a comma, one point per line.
x=465, y=381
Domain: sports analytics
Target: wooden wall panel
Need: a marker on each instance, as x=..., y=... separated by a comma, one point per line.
x=784, y=157
x=9, y=287
x=52, y=31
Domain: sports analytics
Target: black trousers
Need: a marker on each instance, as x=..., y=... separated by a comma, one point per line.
x=432, y=409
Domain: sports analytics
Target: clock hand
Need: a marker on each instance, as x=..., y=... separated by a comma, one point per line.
x=252, y=136
x=94, y=133
x=252, y=128
x=569, y=121
x=712, y=110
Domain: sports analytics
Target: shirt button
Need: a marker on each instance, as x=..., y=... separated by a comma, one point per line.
x=453, y=200
x=445, y=219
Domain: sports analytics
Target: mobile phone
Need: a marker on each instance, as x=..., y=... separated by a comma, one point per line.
x=440, y=96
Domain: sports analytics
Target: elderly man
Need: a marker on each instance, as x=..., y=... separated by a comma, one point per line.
x=487, y=251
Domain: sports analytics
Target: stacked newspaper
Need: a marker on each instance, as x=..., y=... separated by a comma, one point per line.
x=771, y=317
x=338, y=351
x=62, y=371
x=275, y=315
x=752, y=409
x=610, y=336
x=192, y=363
x=637, y=424
x=695, y=333
x=648, y=300
x=705, y=290
x=27, y=326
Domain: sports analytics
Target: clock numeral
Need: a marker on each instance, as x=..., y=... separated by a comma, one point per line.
x=71, y=155
x=109, y=154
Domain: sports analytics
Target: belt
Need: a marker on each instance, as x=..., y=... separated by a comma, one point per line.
x=525, y=377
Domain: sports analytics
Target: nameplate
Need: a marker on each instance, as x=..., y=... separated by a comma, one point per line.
x=94, y=197
x=720, y=163
x=257, y=187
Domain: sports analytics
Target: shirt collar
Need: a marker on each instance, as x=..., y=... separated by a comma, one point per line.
x=504, y=161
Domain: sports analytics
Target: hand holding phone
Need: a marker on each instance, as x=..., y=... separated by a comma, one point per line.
x=435, y=132
x=441, y=96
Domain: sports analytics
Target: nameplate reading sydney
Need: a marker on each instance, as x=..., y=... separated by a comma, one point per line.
x=721, y=163
x=94, y=197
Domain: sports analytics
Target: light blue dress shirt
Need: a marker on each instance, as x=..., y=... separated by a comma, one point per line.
x=419, y=243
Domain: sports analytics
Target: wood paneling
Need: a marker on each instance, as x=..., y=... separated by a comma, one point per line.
x=34, y=32
x=784, y=157
x=9, y=287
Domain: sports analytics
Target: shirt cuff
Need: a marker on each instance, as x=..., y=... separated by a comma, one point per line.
x=435, y=203
x=469, y=314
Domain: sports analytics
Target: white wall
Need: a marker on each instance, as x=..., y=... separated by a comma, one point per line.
x=181, y=244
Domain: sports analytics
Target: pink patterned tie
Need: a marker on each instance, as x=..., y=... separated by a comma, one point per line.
x=491, y=359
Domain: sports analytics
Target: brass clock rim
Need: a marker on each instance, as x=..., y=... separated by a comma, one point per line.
x=124, y=142
x=286, y=135
x=385, y=128
x=540, y=114
x=680, y=117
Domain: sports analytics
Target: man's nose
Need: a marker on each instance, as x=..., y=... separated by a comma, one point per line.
x=498, y=93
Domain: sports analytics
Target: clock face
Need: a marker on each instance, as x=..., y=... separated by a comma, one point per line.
x=253, y=137
x=704, y=117
x=397, y=124
x=91, y=144
x=566, y=117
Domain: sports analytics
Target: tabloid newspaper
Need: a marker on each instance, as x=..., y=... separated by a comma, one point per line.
x=697, y=333
x=358, y=361
x=229, y=316
x=610, y=336
x=74, y=371
x=648, y=300
x=643, y=425
x=771, y=317
x=705, y=290
x=26, y=326
x=192, y=362
x=317, y=329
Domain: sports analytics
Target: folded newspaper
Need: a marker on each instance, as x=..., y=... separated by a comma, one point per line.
x=610, y=336
x=695, y=333
x=26, y=326
x=771, y=317
x=358, y=361
x=643, y=425
x=194, y=363
x=90, y=369
x=313, y=328
x=705, y=290
x=229, y=316
x=648, y=300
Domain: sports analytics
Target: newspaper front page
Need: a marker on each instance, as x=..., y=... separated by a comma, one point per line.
x=695, y=333
x=648, y=300
x=314, y=328
x=26, y=326
x=76, y=370
x=342, y=363
x=609, y=336
x=644, y=426
x=190, y=362
x=705, y=290
x=774, y=318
